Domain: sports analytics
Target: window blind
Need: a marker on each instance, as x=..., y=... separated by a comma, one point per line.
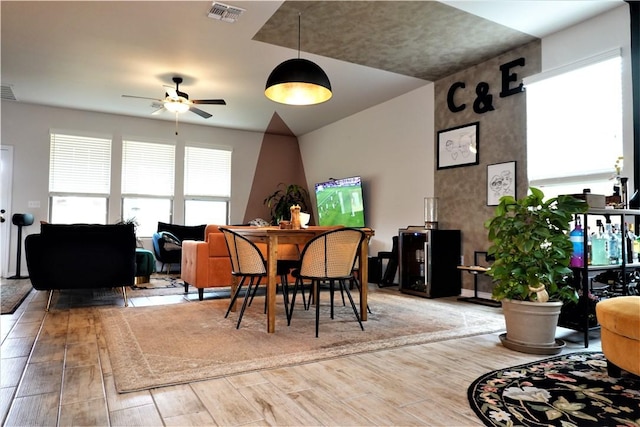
x=148, y=168
x=79, y=164
x=574, y=122
x=207, y=172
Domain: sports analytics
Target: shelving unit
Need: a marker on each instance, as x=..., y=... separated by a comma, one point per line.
x=583, y=275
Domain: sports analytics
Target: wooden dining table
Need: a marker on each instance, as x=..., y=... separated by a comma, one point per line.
x=273, y=236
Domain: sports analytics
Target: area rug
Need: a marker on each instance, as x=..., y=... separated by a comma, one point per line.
x=12, y=293
x=173, y=344
x=161, y=284
x=568, y=390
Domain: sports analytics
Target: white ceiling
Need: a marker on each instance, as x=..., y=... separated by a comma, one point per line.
x=85, y=55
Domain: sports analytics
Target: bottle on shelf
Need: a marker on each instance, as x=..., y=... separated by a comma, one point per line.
x=614, y=244
x=599, y=254
x=589, y=246
x=629, y=240
x=577, y=238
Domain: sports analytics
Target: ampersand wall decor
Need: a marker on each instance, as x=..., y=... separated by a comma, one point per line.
x=484, y=100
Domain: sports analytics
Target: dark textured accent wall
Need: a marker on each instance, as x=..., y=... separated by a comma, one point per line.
x=462, y=191
x=279, y=161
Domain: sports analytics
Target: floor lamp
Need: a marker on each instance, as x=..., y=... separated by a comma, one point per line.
x=20, y=220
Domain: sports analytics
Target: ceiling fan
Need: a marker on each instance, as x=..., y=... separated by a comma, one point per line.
x=179, y=102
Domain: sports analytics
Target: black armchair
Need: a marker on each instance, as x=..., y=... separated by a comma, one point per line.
x=167, y=242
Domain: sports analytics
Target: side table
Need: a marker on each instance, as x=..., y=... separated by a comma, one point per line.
x=145, y=265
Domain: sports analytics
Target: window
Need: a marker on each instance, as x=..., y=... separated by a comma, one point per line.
x=148, y=173
x=574, y=126
x=207, y=185
x=79, y=178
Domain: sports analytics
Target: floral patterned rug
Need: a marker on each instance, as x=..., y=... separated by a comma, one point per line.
x=567, y=390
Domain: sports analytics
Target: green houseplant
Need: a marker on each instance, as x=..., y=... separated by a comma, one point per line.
x=532, y=251
x=283, y=198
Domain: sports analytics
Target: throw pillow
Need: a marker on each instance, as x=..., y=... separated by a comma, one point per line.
x=170, y=242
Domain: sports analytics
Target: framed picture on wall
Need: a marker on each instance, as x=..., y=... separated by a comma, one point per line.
x=458, y=146
x=501, y=181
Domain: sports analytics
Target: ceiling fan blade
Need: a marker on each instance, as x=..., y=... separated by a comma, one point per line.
x=199, y=112
x=209, y=101
x=157, y=110
x=173, y=94
x=141, y=97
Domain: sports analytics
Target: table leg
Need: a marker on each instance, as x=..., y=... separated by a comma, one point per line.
x=364, y=278
x=272, y=266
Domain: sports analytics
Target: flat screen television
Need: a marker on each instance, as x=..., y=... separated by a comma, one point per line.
x=340, y=202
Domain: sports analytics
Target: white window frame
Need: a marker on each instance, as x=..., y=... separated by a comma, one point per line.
x=148, y=172
x=207, y=178
x=553, y=178
x=79, y=168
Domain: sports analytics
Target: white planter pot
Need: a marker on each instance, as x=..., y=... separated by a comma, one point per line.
x=531, y=326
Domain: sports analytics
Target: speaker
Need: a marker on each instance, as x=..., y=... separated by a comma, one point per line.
x=20, y=219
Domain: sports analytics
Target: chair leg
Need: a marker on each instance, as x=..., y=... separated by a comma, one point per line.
x=255, y=289
x=316, y=300
x=234, y=297
x=200, y=294
x=342, y=295
x=357, y=284
x=284, y=283
x=124, y=295
x=311, y=299
x=353, y=305
x=246, y=298
x=49, y=300
x=305, y=301
x=331, y=294
x=292, y=303
x=299, y=284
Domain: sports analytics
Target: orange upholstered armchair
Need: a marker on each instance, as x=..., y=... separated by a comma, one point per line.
x=207, y=264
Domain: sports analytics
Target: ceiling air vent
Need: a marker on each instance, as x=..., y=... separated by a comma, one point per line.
x=7, y=93
x=225, y=12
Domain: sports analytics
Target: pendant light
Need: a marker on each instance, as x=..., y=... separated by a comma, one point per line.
x=298, y=81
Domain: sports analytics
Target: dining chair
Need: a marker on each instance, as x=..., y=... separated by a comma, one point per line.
x=248, y=263
x=328, y=257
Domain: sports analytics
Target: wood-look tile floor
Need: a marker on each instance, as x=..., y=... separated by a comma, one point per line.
x=55, y=371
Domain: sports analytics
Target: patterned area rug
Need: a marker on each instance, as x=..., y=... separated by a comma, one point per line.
x=568, y=390
x=204, y=344
x=12, y=293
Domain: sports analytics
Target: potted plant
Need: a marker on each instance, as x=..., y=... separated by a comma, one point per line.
x=283, y=198
x=532, y=251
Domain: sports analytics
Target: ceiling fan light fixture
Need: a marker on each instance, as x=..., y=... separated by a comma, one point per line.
x=176, y=105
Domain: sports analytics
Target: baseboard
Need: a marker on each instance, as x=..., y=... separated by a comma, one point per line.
x=467, y=293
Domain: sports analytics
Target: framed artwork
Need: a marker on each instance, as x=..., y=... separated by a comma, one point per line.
x=501, y=181
x=458, y=146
